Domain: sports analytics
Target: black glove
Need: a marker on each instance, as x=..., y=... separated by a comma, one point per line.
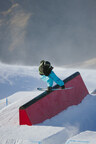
x=63, y=87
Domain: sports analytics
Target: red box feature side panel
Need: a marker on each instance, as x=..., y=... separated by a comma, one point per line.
x=23, y=117
x=55, y=102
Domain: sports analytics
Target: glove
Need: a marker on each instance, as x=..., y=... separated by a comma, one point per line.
x=63, y=87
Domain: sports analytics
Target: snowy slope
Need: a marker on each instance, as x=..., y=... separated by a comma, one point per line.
x=87, y=137
x=20, y=78
x=10, y=129
x=17, y=78
x=78, y=121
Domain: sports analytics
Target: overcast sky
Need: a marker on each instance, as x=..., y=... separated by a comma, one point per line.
x=61, y=31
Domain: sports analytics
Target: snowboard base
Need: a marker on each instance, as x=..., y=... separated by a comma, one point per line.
x=45, y=89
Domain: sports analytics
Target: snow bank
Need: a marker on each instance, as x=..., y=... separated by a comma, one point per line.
x=18, y=78
x=32, y=134
x=78, y=121
x=21, y=78
x=87, y=137
x=55, y=130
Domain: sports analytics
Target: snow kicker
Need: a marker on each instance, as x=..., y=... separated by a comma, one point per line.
x=49, y=104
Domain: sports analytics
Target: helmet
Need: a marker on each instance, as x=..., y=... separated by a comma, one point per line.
x=46, y=63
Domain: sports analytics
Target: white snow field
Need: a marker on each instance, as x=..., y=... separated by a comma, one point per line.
x=75, y=125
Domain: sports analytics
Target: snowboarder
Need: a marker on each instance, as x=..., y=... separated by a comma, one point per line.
x=47, y=74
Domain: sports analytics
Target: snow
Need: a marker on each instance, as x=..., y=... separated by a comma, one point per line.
x=75, y=125
x=87, y=137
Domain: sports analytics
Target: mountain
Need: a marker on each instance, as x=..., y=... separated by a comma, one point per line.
x=60, y=31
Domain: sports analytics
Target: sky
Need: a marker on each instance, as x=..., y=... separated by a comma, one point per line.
x=61, y=31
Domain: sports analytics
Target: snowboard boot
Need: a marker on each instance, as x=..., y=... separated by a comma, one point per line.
x=49, y=88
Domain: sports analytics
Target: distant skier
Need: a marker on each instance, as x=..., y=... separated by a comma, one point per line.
x=47, y=74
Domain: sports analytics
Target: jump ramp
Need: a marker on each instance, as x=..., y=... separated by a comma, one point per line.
x=49, y=104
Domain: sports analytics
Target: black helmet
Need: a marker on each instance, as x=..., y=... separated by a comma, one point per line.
x=47, y=63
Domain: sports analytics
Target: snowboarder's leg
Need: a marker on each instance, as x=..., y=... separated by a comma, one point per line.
x=56, y=79
x=48, y=80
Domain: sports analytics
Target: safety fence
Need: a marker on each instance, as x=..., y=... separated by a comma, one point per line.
x=77, y=142
x=35, y=142
x=20, y=141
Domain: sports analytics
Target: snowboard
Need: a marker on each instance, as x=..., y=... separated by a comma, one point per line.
x=54, y=89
